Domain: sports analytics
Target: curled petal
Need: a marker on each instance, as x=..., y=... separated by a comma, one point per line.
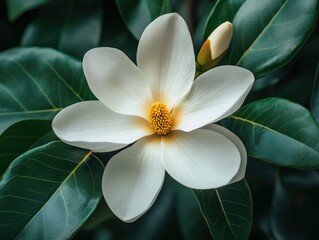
x=240, y=146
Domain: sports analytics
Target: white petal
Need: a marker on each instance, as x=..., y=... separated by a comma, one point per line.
x=117, y=82
x=133, y=178
x=220, y=39
x=214, y=95
x=109, y=147
x=240, y=146
x=93, y=126
x=200, y=159
x=165, y=55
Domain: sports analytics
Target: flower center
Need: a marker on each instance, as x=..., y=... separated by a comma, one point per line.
x=160, y=119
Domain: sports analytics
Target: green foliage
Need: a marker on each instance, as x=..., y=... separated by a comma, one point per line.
x=227, y=216
x=47, y=80
x=137, y=14
x=224, y=10
x=22, y=136
x=278, y=131
x=15, y=8
x=49, y=192
x=295, y=199
x=263, y=41
x=74, y=31
x=315, y=96
x=191, y=222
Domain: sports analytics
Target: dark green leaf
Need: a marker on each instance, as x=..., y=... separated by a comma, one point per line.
x=49, y=192
x=315, y=96
x=227, y=210
x=20, y=137
x=77, y=29
x=160, y=216
x=191, y=222
x=267, y=34
x=277, y=131
x=203, y=11
x=101, y=213
x=15, y=8
x=36, y=83
x=116, y=35
x=261, y=178
x=224, y=10
x=295, y=200
x=137, y=14
x=298, y=84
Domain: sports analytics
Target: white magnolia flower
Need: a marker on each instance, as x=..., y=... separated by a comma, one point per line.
x=157, y=107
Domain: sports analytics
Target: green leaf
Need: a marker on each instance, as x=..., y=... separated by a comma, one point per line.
x=191, y=222
x=268, y=34
x=117, y=35
x=49, y=192
x=101, y=214
x=224, y=10
x=227, y=210
x=137, y=14
x=36, y=83
x=315, y=96
x=20, y=137
x=16, y=8
x=77, y=29
x=295, y=199
x=277, y=131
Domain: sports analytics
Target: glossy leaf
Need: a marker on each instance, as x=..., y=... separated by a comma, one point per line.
x=277, y=131
x=36, y=83
x=20, y=137
x=227, y=210
x=315, y=96
x=137, y=14
x=298, y=83
x=49, y=192
x=16, y=8
x=224, y=10
x=263, y=38
x=77, y=29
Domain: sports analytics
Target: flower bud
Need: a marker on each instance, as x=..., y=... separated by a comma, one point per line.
x=214, y=48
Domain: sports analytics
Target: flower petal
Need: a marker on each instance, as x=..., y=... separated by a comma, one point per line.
x=200, y=159
x=117, y=82
x=214, y=95
x=93, y=126
x=165, y=55
x=133, y=178
x=240, y=146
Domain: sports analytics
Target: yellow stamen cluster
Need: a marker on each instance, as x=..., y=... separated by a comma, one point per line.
x=160, y=119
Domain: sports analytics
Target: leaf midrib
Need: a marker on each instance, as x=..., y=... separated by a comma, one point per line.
x=62, y=183
x=225, y=214
x=31, y=111
x=262, y=32
x=272, y=130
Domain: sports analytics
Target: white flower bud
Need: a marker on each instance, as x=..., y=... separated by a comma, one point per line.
x=216, y=45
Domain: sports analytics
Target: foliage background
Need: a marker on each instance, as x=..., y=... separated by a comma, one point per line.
x=285, y=200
